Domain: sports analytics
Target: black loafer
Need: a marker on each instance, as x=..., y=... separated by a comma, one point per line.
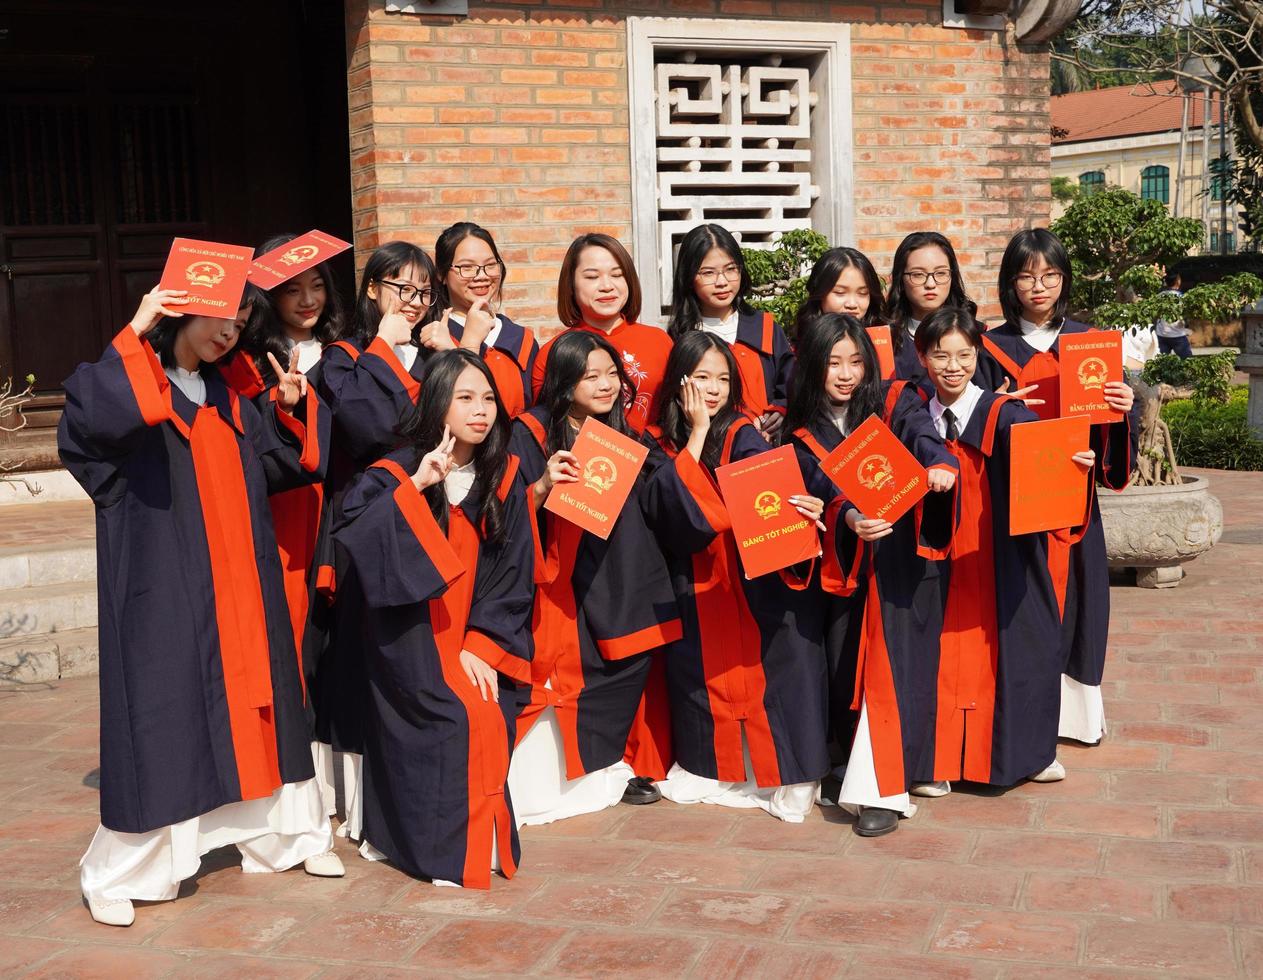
x=640, y=791
x=874, y=822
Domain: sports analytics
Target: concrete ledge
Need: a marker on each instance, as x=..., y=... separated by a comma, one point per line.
x=49, y=656
x=54, y=485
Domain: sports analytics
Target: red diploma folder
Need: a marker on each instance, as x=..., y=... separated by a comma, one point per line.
x=880, y=336
x=284, y=263
x=213, y=274
x=1047, y=489
x=608, y=465
x=876, y=472
x=770, y=532
x=1087, y=361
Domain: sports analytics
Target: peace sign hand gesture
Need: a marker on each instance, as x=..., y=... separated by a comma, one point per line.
x=291, y=385
x=437, y=463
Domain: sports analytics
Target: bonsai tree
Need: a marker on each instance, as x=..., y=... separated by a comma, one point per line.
x=779, y=275
x=12, y=419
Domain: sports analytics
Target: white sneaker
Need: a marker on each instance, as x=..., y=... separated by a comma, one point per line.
x=932, y=790
x=1055, y=773
x=326, y=865
x=369, y=853
x=112, y=911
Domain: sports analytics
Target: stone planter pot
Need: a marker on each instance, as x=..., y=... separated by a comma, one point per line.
x=1155, y=530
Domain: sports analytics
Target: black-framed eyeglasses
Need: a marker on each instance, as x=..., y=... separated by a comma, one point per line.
x=470, y=271
x=1049, y=280
x=919, y=278
x=408, y=292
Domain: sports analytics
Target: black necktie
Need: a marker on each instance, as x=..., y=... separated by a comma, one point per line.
x=953, y=433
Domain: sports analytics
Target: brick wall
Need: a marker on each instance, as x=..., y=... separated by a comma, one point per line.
x=517, y=118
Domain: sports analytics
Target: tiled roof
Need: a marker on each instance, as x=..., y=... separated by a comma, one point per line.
x=1125, y=110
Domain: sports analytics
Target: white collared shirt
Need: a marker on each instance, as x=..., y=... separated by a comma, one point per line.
x=1041, y=338
x=912, y=327
x=962, y=409
x=838, y=412
x=458, y=483
x=189, y=382
x=492, y=335
x=308, y=353
x=725, y=328
x=407, y=354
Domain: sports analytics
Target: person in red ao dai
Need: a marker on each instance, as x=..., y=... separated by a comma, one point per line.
x=747, y=678
x=204, y=742
x=1034, y=284
x=439, y=536
x=998, y=692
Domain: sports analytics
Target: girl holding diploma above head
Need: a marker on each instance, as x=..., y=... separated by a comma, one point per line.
x=711, y=293
x=924, y=277
x=598, y=291
x=371, y=381
x=998, y=692
x=440, y=539
x=204, y=742
x=747, y=678
x=601, y=606
x=471, y=275
x=1034, y=286
x=888, y=572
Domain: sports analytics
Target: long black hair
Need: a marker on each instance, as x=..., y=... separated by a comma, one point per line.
x=824, y=276
x=265, y=334
x=685, y=356
x=809, y=404
x=163, y=336
x=1019, y=255
x=386, y=262
x=445, y=251
x=686, y=311
x=424, y=430
x=898, y=307
x=567, y=364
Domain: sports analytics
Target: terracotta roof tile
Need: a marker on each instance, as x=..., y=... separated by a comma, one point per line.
x=1124, y=110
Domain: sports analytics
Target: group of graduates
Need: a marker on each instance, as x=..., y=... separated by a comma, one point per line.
x=328, y=583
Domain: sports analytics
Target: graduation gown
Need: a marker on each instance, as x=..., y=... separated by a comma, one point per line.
x=645, y=350
x=903, y=593
x=1076, y=558
x=201, y=702
x=999, y=677
x=765, y=361
x=302, y=523
x=600, y=608
x=510, y=360
x=436, y=754
x=907, y=364
x=369, y=394
x=750, y=657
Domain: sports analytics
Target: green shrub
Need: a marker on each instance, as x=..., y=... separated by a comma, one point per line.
x=1209, y=375
x=1214, y=435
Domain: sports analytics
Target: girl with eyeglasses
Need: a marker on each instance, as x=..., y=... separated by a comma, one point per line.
x=598, y=291
x=471, y=274
x=440, y=540
x=601, y=606
x=997, y=695
x=711, y=292
x=924, y=277
x=881, y=594
x=371, y=381
x=1035, y=284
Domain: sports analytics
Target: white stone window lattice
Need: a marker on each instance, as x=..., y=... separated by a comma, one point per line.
x=745, y=124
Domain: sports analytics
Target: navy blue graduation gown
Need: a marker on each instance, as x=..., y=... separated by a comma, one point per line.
x=750, y=656
x=904, y=593
x=1077, y=558
x=510, y=359
x=601, y=607
x=765, y=360
x=999, y=678
x=436, y=755
x=201, y=701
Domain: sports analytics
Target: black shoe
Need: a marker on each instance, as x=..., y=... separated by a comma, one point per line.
x=641, y=790
x=874, y=822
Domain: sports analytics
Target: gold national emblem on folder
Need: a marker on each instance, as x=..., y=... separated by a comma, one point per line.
x=767, y=505
x=599, y=474
x=204, y=274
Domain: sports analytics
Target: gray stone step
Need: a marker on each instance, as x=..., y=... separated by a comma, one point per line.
x=47, y=564
x=47, y=608
x=49, y=656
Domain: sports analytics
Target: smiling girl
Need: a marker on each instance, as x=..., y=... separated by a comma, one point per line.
x=843, y=280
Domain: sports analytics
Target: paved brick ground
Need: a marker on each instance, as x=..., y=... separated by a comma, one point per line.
x=1148, y=859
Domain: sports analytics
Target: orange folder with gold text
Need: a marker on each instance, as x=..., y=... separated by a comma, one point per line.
x=1087, y=361
x=876, y=472
x=880, y=336
x=213, y=274
x=609, y=463
x=1047, y=489
x=771, y=534
x=282, y=264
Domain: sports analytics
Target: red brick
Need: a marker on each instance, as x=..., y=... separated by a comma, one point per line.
x=728, y=960
x=1168, y=860
x=1096, y=894
x=88, y=961
x=1181, y=949
x=752, y=914
x=596, y=952
x=1110, y=819
x=1244, y=826
x=487, y=946
x=953, y=884
x=846, y=921
x=1007, y=935
x=1028, y=850
x=610, y=903
x=1220, y=904
x=1166, y=787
